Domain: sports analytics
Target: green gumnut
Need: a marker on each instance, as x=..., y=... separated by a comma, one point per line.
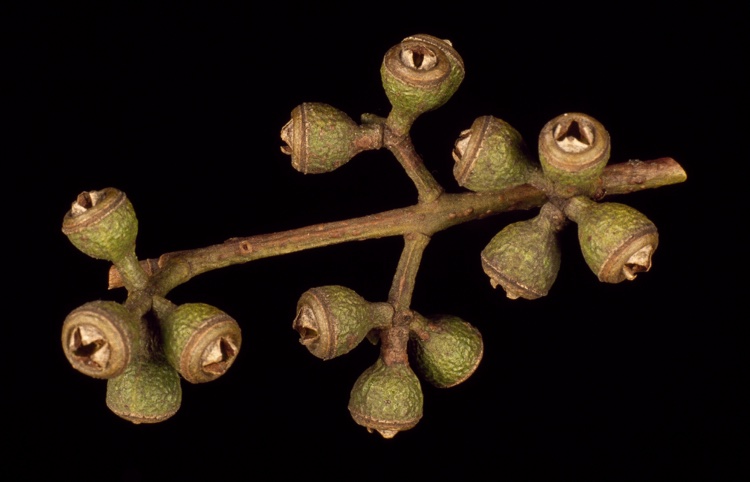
x=98, y=338
x=200, y=341
x=320, y=138
x=573, y=149
x=387, y=398
x=446, y=350
x=102, y=224
x=148, y=391
x=333, y=320
x=490, y=156
x=524, y=257
x=617, y=241
x=420, y=74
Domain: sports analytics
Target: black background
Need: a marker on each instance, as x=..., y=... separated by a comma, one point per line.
x=180, y=106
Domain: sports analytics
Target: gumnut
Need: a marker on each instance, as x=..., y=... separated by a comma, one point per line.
x=98, y=338
x=332, y=320
x=321, y=138
x=200, y=341
x=490, y=156
x=574, y=149
x=617, y=240
x=102, y=224
x=148, y=391
x=524, y=257
x=420, y=74
x=446, y=349
x=387, y=398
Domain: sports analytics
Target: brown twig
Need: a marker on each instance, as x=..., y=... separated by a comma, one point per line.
x=427, y=218
x=394, y=339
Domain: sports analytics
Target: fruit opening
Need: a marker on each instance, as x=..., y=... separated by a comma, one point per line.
x=219, y=355
x=418, y=58
x=89, y=347
x=304, y=324
x=639, y=262
x=575, y=138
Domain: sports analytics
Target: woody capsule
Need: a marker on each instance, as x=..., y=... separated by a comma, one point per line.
x=387, y=398
x=524, y=257
x=332, y=320
x=617, y=241
x=320, y=138
x=573, y=150
x=419, y=74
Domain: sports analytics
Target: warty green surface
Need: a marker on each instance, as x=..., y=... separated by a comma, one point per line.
x=574, y=172
x=418, y=99
x=450, y=354
x=414, y=99
x=604, y=228
x=343, y=316
x=327, y=138
x=181, y=324
x=582, y=181
x=187, y=332
x=387, y=397
x=148, y=391
x=525, y=254
x=495, y=157
x=110, y=237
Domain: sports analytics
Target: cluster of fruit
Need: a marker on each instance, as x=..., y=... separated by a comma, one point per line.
x=387, y=397
x=617, y=241
x=420, y=74
x=141, y=361
x=145, y=344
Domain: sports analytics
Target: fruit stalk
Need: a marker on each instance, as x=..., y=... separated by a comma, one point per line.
x=403, y=150
x=395, y=339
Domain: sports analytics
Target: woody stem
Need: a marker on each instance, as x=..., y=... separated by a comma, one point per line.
x=444, y=212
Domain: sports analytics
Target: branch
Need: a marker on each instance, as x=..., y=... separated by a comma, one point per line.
x=636, y=175
x=427, y=218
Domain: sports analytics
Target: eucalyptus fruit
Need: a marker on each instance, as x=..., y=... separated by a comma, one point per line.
x=387, y=398
x=332, y=320
x=321, y=138
x=617, y=241
x=524, y=257
x=200, y=341
x=143, y=345
x=419, y=75
x=102, y=224
x=446, y=349
x=490, y=156
x=148, y=391
x=573, y=150
x=98, y=338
